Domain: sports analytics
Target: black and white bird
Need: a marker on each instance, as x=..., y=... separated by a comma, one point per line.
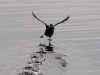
x=49, y=28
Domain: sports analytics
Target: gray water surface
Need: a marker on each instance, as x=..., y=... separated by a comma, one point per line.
x=78, y=38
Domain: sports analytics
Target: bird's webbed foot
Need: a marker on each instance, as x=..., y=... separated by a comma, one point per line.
x=41, y=36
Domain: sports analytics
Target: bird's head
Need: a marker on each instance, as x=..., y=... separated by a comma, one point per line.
x=51, y=25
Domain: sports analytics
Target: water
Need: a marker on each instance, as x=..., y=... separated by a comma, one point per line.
x=78, y=38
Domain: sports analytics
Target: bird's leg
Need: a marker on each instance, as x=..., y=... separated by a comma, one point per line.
x=49, y=43
x=49, y=39
x=41, y=36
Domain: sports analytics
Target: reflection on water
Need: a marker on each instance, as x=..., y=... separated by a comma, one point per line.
x=45, y=62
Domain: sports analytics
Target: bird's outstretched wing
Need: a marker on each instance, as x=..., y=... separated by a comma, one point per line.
x=62, y=21
x=38, y=18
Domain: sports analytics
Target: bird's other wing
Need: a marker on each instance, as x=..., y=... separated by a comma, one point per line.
x=38, y=18
x=62, y=21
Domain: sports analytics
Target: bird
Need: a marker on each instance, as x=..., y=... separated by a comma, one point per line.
x=49, y=31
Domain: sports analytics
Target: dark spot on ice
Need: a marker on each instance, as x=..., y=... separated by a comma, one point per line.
x=28, y=68
x=38, y=62
x=64, y=63
x=58, y=57
x=42, y=52
x=33, y=56
x=26, y=73
x=49, y=48
x=29, y=62
x=40, y=74
x=43, y=45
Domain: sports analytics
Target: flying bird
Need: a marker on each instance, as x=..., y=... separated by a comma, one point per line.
x=49, y=31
